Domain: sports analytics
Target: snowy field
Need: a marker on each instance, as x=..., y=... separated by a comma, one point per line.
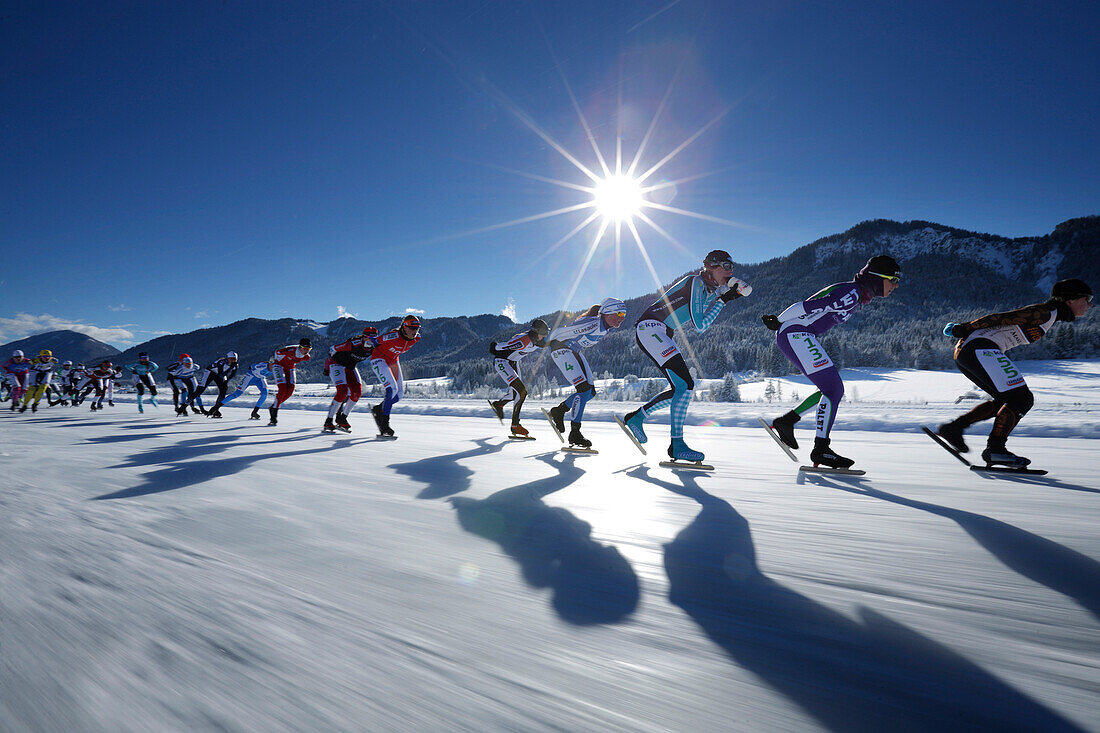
x=165, y=574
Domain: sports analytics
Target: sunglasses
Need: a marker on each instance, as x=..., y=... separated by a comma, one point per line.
x=620, y=314
x=892, y=278
x=725, y=265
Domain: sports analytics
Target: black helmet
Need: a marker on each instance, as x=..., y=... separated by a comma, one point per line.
x=1069, y=289
x=539, y=330
x=719, y=257
x=305, y=343
x=876, y=272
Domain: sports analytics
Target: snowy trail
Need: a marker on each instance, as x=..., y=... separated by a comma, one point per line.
x=158, y=574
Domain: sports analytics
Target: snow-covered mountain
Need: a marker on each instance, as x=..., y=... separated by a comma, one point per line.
x=71, y=345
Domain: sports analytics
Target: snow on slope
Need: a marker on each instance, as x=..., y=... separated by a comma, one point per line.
x=197, y=575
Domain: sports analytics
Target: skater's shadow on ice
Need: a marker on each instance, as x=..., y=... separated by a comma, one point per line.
x=1040, y=481
x=865, y=674
x=443, y=474
x=186, y=464
x=592, y=583
x=1036, y=558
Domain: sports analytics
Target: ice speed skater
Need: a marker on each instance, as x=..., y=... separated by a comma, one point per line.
x=797, y=330
x=256, y=376
x=142, y=371
x=386, y=365
x=507, y=355
x=980, y=356
x=565, y=344
x=283, y=366
x=694, y=301
x=343, y=369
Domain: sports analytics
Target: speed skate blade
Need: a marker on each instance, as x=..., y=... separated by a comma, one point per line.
x=687, y=465
x=578, y=449
x=943, y=444
x=552, y=425
x=521, y=437
x=775, y=436
x=1009, y=470
x=826, y=469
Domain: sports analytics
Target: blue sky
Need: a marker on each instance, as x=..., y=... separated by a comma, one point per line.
x=165, y=166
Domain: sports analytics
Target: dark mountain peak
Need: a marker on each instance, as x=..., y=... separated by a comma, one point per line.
x=71, y=345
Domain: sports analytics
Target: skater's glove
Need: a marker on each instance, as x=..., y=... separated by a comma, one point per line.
x=735, y=288
x=957, y=330
x=770, y=321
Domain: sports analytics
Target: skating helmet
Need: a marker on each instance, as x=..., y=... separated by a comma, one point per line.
x=1070, y=289
x=370, y=331
x=612, y=306
x=185, y=359
x=305, y=343
x=719, y=257
x=17, y=354
x=411, y=323
x=66, y=363
x=538, y=331
x=876, y=272
x=184, y=356
x=107, y=364
x=80, y=366
x=231, y=355
x=45, y=353
x=143, y=356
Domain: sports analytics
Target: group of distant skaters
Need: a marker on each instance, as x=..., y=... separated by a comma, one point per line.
x=693, y=301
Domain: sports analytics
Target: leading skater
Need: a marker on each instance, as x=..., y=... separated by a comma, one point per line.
x=565, y=343
x=695, y=300
x=142, y=371
x=979, y=355
x=283, y=365
x=506, y=364
x=797, y=329
x=18, y=369
x=386, y=365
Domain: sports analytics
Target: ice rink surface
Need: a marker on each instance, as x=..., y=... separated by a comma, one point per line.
x=165, y=574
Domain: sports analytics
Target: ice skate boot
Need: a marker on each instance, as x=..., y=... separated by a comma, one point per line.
x=784, y=428
x=1001, y=456
x=557, y=416
x=953, y=436
x=255, y=414
x=575, y=437
x=498, y=408
x=342, y=422
x=274, y=413
x=823, y=455
x=678, y=451
x=633, y=422
x=329, y=427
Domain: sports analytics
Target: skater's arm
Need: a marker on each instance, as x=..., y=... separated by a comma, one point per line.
x=1032, y=315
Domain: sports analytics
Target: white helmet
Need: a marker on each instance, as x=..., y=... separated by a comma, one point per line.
x=66, y=363
x=16, y=353
x=610, y=306
x=231, y=355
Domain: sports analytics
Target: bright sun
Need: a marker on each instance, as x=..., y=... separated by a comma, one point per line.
x=618, y=197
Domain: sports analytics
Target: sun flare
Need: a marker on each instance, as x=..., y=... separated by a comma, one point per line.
x=618, y=197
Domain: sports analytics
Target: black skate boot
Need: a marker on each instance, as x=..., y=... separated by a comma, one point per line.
x=214, y=413
x=274, y=412
x=342, y=422
x=23, y=409
x=329, y=427
x=823, y=455
x=557, y=416
x=34, y=407
x=498, y=408
x=376, y=411
x=255, y=414
x=996, y=454
x=953, y=435
x=387, y=431
x=182, y=410
x=575, y=437
x=784, y=428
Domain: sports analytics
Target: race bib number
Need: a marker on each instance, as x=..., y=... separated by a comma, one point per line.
x=1000, y=369
x=811, y=357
